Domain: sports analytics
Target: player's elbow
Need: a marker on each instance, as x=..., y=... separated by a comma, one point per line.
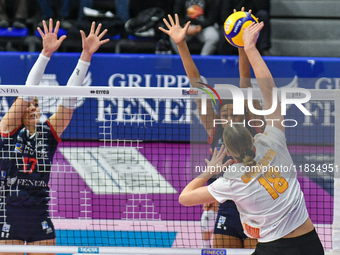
x=184, y=200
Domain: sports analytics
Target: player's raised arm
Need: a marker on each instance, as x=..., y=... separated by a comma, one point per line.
x=91, y=44
x=178, y=35
x=262, y=73
x=245, y=76
x=50, y=43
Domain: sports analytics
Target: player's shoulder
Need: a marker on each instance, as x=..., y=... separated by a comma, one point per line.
x=272, y=133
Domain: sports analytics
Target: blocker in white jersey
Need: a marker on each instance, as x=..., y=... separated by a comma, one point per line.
x=270, y=201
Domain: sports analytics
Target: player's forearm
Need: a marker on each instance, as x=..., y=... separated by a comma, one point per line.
x=76, y=79
x=244, y=64
x=259, y=66
x=37, y=71
x=189, y=64
x=197, y=183
x=244, y=69
x=78, y=75
x=263, y=75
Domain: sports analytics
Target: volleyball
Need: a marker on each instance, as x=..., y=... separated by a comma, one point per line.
x=234, y=25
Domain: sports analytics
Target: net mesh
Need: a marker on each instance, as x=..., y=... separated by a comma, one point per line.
x=117, y=173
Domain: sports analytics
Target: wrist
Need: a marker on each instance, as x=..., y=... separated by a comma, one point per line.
x=181, y=44
x=46, y=53
x=86, y=56
x=249, y=48
x=207, y=174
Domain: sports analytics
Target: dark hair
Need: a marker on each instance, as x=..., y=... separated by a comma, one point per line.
x=224, y=102
x=228, y=101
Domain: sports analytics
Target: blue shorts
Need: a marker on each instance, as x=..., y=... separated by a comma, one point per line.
x=27, y=223
x=228, y=221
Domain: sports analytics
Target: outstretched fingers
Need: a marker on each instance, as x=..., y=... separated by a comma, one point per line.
x=171, y=20
x=228, y=163
x=83, y=36
x=50, y=28
x=56, y=29
x=104, y=41
x=102, y=34
x=93, y=26
x=62, y=38
x=163, y=30
x=98, y=29
x=45, y=27
x=176, y=19
x=166, y=23
x=40, y=32
x=186, y=27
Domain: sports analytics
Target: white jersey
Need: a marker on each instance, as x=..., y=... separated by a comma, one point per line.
x=269, y=198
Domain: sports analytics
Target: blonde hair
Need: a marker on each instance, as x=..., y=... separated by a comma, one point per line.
x=239, y=143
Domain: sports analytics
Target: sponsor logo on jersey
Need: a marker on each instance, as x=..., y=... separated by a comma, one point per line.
x=49, y=230
x=220, y=223
x=18, y=147
x=11, y=181
x=6, y=227
x=3, y=175
x=44, y=224
x=35, y=183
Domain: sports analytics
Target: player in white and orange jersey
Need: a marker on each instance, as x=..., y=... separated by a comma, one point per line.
x=262, y=181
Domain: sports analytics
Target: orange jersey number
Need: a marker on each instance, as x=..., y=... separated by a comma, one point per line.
x=273, y=182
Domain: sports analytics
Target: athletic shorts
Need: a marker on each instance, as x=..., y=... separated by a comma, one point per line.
x=228, y=221
x=308, y=244
x=28, y=224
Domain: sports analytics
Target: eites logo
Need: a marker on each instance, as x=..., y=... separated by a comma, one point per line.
x=189, y=92
x=195, y=92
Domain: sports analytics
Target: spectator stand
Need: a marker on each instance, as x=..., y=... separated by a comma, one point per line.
x=305, y=28
x=10, y=36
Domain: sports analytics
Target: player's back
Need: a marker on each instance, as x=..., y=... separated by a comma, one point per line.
x=268, y=195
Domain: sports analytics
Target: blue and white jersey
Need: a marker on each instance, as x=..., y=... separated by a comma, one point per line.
x=26, y=164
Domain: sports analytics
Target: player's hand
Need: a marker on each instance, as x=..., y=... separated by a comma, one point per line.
x=243, y=9
x=215, y=165
x=93, y=41
x=250, y=35
x=176, y=32
x=50, y=38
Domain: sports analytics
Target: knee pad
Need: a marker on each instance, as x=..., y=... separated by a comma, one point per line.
x=208, y=220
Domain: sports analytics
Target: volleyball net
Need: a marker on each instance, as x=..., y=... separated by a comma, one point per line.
x=128, y=153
